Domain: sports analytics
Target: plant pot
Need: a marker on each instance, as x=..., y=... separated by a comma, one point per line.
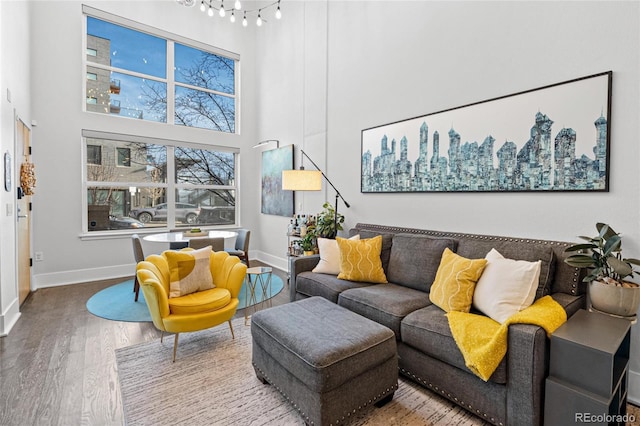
x=309, y=252
x=611, y=299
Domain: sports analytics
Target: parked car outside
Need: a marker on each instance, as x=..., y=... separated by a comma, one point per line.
x=124, y=223
x=218, y=215
x=186, y=213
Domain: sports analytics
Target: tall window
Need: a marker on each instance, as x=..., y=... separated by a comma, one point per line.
x=130, y=62
x=165, y=185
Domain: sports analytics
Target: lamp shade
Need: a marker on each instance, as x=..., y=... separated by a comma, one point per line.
x=302, y=180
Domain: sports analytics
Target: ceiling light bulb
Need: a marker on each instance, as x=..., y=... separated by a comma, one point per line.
x=222, y=12
x=278, y=13
x=237, y=5
x=210, y=11
x=259, y=20
x=202, y=8
x=244, y=20
x=233, y=17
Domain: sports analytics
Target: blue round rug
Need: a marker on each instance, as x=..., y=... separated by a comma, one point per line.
x=116, y=302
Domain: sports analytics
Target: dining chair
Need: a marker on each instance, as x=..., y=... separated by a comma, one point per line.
x=242, y=246
x=138, y=254
x=217, y=244
x=178, y=245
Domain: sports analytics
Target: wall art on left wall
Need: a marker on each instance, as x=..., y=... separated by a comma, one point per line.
x=554, y=138
x=275, y=201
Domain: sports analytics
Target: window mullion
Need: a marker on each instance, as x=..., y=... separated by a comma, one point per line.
x=171, y=187
x=171, y=89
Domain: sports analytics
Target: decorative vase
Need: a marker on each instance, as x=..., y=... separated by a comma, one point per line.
x=622, y=301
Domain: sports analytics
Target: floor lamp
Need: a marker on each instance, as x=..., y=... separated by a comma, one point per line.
x=310, y=180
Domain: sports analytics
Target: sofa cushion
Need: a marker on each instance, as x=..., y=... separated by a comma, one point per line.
x=329, y=256
x=514, y=248
x=387, y=242
x=506, y=286
x=386, y=304
x=455, y=282
x=360, y=260
x=427, y=330
x=414, y=259
x=328, y=286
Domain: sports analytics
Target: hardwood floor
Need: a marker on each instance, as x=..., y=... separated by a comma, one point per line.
x=58, y=366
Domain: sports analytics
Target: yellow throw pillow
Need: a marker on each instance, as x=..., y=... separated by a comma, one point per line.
x=360, y=260
x=456, y=279
x=189, y=271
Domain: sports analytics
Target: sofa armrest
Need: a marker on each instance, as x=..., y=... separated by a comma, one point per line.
x=527, y=369
x=570, y=303
x=528, y=365
x=298, y=265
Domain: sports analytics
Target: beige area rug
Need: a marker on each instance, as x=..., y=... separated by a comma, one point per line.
x=213, y=383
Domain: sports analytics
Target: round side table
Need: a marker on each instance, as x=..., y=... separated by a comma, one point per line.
x=259, y=275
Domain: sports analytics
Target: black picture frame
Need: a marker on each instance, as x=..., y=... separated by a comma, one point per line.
x=552, y=138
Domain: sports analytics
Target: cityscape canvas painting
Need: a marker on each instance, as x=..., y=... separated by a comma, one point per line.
x=554, y=138
x=275, y=201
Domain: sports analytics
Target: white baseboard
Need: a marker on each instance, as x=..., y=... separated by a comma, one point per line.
x=273, y=261
x=9, y=318
x=633, y=394
x=56, y=279
x=78, y=276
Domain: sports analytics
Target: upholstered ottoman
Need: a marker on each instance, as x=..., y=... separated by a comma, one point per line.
x=326, y=360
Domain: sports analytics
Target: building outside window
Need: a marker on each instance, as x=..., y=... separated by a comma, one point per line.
x=202, y=191
x=131, y=81
x=123, y=157
x=94, y=154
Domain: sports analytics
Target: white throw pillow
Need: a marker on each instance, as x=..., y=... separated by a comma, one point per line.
x=506, y=286
x=329, y=256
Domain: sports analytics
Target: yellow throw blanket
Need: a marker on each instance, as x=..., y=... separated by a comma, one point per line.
x=483, y=341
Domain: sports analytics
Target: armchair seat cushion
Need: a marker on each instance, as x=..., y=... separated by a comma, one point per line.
x=200, y=302
x=428, y=331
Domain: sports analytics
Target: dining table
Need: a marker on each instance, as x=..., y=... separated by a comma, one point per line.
x=180, y=237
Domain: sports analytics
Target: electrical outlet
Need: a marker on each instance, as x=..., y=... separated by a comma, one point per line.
x=39, y=256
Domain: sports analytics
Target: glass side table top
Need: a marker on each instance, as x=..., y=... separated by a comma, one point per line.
x=257, y=270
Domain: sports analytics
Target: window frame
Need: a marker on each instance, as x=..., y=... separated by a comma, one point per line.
x=170, y=186
x=170, y=82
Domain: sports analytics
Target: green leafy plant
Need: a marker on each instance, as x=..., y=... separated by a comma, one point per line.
x=326, y=224
x=603, y=257
x=308, y=242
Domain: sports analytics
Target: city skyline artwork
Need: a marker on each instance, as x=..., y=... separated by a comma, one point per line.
x=555, y=138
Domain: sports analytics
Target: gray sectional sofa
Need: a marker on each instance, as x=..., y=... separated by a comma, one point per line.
x=428, y=355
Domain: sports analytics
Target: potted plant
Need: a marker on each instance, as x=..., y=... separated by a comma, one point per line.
x=328, y=223
x=608, y=290
x=308, y=243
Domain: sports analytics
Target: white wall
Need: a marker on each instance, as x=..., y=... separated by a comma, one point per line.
x=57, y=84
x=389, y=61
x=315, y=79
x=14, y=79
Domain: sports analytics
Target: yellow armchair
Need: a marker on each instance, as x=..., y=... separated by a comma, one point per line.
x=195, y=311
